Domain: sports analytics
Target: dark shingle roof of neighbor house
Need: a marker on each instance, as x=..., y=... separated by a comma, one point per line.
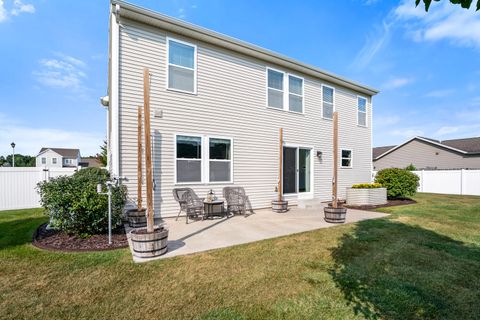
x=67, y=153
x=468, y=146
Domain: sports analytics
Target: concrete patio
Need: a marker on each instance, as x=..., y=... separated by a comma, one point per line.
x=203, y=235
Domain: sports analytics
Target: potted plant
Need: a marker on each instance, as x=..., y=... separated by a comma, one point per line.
x=280, y=205
x=137, y=217
x=151, y=241
x=335, y=212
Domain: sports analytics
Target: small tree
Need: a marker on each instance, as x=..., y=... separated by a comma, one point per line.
x=464, y=3
x=400, y=183
x=103, y=155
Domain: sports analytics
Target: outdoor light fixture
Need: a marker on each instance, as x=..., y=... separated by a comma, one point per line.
x=319, y=155
x=13, y=154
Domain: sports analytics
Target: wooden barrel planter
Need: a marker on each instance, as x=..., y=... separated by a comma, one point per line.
x=279, y=206
x=137, y=218
x=149, y=244
x=335, y=215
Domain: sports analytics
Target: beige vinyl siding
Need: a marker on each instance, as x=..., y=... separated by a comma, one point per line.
x=230, y=102
x=424, y=155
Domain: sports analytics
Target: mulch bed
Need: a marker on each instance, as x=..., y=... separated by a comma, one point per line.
x=60, y=241
x=390, y=203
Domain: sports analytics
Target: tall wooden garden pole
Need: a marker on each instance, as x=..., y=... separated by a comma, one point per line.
x=148, y=150
x=335, y=160
x=139, y=159
x=280, y=165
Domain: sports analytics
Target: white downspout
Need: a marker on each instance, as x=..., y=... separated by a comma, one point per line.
x=115, y=103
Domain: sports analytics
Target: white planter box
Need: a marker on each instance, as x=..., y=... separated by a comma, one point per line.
x=369, y=197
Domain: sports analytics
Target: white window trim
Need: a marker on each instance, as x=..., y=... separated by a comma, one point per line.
x=333, y=103
x=195, y=67
x=175, y=158
x=312, y=171
x=366, y=112
x=285, y=91
x=205, y=160
x=351, y=158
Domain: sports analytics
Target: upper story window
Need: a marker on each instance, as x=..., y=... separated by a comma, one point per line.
x=346, y=158
x=275, y=89
x=188, y=159
x=361, y=111
x=328, y=102
x=44, y=160
x=295, y=93
x=182, y=65
x=280, y=98
x=54, y=160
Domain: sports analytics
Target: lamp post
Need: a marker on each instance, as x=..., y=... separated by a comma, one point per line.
x=13, y=154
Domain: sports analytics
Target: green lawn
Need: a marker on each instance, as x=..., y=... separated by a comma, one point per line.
x=422, y=262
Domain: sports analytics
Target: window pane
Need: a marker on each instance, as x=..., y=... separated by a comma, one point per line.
x=362, y=118
x=220, y=149
x=275, y=79
x=181, y=54
x=181, y=79
x=362, y=105
x=328, y=110
x=219, y=171
x=189, y=171
x=346, y=162
x=189, y=147
x=295, y=85
x=346, y=153
x=275, y=99
x=327, y=94
x=295, y=103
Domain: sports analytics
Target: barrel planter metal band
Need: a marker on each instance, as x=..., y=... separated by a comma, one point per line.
x=137, y=218
x=148, y=245
x=335, y=215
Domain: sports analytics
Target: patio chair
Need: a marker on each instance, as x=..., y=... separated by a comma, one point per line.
x=236, y=199
x=193, y=204
x=178, y=194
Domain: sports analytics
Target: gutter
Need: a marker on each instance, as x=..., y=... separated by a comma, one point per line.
x=158, y=20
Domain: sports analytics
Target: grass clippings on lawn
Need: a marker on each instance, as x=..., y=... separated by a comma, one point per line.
x=422, y=262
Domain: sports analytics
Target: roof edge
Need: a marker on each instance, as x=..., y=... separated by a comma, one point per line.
x=163, y=21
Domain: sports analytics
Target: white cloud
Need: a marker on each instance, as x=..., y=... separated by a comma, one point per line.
x=385, y=121
x=407, y=133
x=394, y=83
x=64, y=72
x=443, y=22
x=439, y=93
x=19, y=7
x=446, y=130
x=453, y=132
x=3, y=11
x=181, y=13
x=30, y=139
x=475, y=102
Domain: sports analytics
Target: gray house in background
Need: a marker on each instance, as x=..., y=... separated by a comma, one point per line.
x=217, y=106
x=425, y=153
x=58, y=158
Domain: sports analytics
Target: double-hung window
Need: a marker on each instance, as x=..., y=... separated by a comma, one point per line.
x=188, y=159
x=361, y=111
x=203, y=159
x=182, y=66
x=44, y=160
x=54, y=160
x=327, y=102
x=275, y=89
x=285, y=91
x=346, y=158
x=220, y=162
x=295, y=94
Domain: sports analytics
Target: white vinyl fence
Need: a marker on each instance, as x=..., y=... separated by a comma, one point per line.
x=18, y=185
x=465, y=182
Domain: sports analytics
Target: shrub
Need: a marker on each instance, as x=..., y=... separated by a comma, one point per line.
x=75, y=207
x=400, y=183
x=410, y=167
x=367, y=186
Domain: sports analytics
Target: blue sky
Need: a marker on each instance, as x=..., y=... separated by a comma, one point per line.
x=53, y=65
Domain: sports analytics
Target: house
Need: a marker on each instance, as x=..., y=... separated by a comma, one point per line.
x=217, y=106
x=58, y=158
x=88, y=162
x=426, y=153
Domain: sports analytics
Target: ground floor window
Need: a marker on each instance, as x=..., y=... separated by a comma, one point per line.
x=203, y=159
x=346, y=158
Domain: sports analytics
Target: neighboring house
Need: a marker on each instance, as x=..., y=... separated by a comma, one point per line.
x=425, y=153
x=58, y=158
x=217, y=106
x=88, y=162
